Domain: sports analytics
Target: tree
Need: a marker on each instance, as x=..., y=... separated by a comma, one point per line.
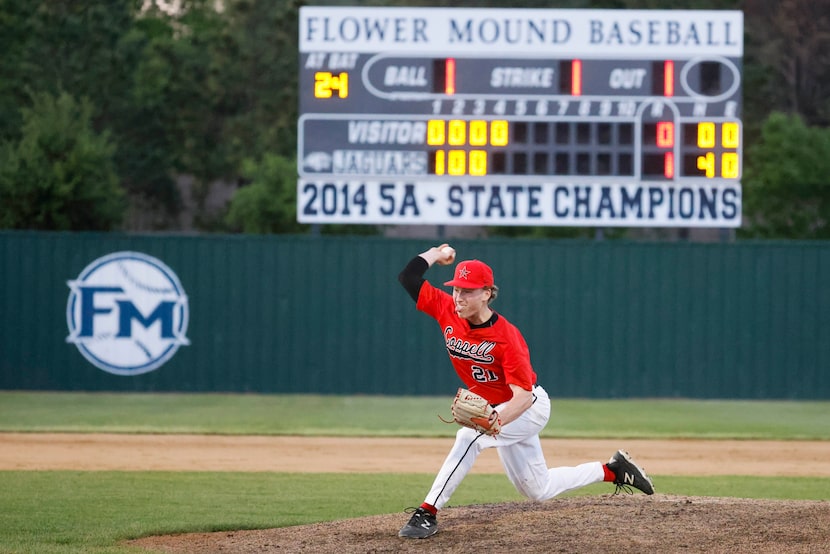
x=217, y=87
x=90, y=50
x=786, y=185
x=60, y=175
x=790, y=40
x=268, y=203
x=257, y=63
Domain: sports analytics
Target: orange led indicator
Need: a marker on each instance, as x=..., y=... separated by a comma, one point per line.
x=449, y=76
x=668, y=78
x=576, y=78
x=665, y=134
x=668, y=165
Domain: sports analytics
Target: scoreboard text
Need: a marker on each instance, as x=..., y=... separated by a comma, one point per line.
x=520, y=117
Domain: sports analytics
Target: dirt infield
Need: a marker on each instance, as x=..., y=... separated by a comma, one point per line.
x=99, y=452
x=618, y=524
x=659, y=523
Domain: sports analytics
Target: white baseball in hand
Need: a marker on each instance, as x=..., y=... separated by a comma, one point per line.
x=449, y=252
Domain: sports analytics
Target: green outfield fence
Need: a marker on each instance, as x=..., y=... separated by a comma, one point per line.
x=304, y=314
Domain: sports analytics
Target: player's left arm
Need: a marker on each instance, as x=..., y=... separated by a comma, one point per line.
x=516, y=406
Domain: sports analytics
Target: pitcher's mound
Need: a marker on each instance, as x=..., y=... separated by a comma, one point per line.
x=619, y=524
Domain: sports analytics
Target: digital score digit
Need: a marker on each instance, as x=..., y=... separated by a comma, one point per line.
x=584, y=127
x=461, y=133
x=712, y=150
x=326, y=84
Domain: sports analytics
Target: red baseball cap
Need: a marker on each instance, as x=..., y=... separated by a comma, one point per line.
x=472, y=274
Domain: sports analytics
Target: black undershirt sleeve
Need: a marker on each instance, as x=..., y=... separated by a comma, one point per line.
x=412, y=276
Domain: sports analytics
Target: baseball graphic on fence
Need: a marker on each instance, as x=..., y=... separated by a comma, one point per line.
x=127, y=313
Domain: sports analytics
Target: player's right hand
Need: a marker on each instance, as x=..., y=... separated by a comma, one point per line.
x=446, y=254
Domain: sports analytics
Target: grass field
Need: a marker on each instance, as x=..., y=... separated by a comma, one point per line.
x=74, y=512
x=237, y=414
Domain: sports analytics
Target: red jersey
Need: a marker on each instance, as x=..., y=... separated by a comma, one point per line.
x=487, y=359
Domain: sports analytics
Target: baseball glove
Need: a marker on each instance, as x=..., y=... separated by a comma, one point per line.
x=473, y=411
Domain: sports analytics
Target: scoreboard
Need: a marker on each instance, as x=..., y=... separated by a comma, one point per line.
x=542, y=117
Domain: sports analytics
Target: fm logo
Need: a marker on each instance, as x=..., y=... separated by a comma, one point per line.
x=127, y=313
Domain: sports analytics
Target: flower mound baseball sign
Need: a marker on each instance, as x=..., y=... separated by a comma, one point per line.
x=127, y=313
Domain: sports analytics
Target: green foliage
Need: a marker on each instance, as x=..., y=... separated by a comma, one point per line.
x=175, y=85
x=90, y=50
x=170, y=124
x=14, y=32
x=787, y=180
x=268, y=203
x=257, y=62
x=67, y=46
x=60, y=175
x=789, y=40
x=214, y=89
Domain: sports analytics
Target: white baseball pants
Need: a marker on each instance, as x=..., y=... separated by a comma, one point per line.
x=521, y=455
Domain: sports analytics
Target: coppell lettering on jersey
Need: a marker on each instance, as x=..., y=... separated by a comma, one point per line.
x=127, y=313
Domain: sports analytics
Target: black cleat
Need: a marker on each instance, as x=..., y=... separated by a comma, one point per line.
x=628, y=474
x=421, y=525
